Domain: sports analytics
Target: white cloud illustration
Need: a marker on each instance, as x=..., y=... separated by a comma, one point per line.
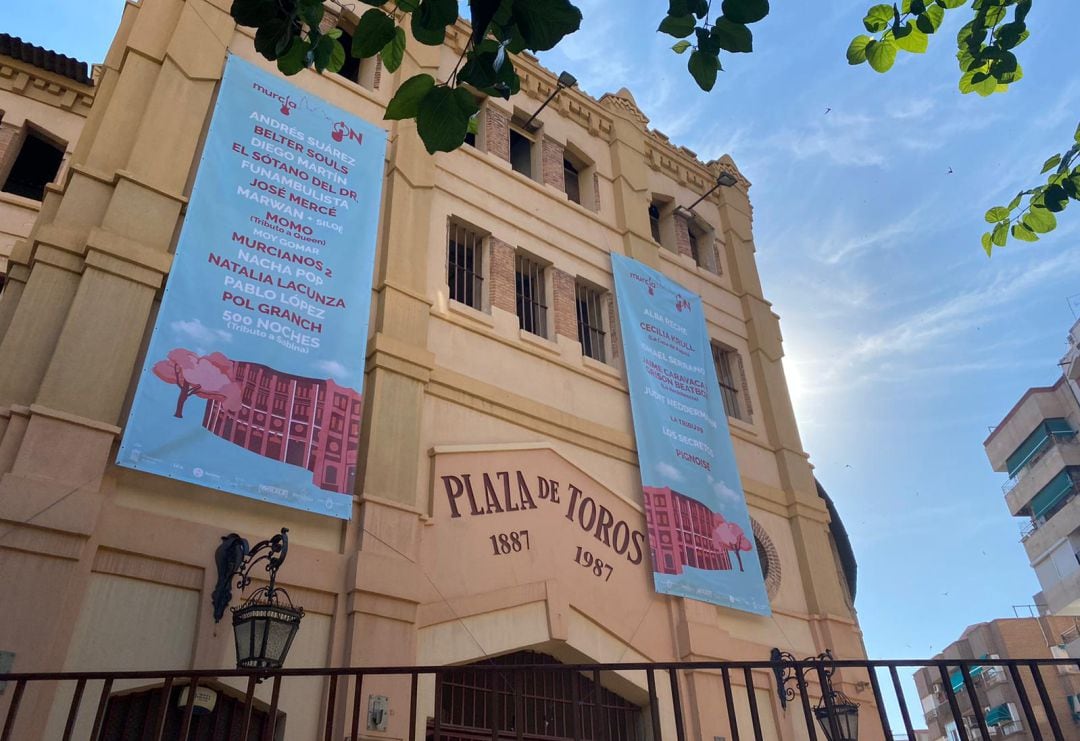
x=669, y=472
x=333, y=368
x=199, y=332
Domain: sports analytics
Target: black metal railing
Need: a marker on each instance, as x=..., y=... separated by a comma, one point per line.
x=342, y=712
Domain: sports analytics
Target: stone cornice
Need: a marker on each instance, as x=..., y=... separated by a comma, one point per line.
x=45, y=87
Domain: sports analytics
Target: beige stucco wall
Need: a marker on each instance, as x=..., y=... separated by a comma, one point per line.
x=53, y=106
x=446, y=386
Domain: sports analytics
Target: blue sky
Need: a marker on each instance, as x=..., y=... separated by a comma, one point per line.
x=904, y=342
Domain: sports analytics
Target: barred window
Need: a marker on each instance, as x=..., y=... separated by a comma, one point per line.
x=590, y=321
x=726, y=361
x=531, y=307
x=464, y=265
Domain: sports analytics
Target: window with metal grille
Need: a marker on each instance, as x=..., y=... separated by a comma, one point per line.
x=464, y=265
x=531, y=307
x=590, y=321
x=654, y=221
x=35, y=166
x=572, y=180
x=726, y=361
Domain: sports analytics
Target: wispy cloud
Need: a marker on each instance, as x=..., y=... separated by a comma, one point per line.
x=333, y=368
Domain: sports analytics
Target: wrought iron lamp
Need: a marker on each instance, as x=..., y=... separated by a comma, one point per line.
x=836, y=713
x=265, y=625
x=725, y=179
x=565, y=80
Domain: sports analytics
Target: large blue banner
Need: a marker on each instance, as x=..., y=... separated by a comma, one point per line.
x=700, y=535
x=253, y=378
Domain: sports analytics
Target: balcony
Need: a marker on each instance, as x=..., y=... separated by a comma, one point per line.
x=1013, y=726
x=1061, y=522
x=1058, y=452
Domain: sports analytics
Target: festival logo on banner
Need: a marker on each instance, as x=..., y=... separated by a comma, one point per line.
x=700, y=535
x=253, y=379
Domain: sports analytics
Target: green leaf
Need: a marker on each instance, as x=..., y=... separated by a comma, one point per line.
x=443, y=119
x=274, y=38
x=703, y=68
x=856, y=51
x=679, y=7
x=544, y=23
x=1039, y=220
x=481, y=13
x=678, y=26
x=878, y=18
x=430, y=20
x=881, y=54
x=1015, y=201
x=978, y=82
x=326, y=53
x=406, y=101
x=996, y=214
x=994, y=14
x=706, y=42
x=733, y=37
x=951, y=3
x=408, y=6
x=295, y=58
x=253, y=12
x=393, y=53
x=1024, y=234
x=915, y=41
x=930, y=20
x=700, y=8
x=1000, y=234
x=311, y=13
x=987, y=245
x=1050, y=164
x=1076, y=136
x=680, y=46
x=1011, y=34
x=745, y=11
x=374, y=30
x=1056, y=197
x=480, y=72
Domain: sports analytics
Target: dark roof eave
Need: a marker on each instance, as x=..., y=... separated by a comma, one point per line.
x=46, y=59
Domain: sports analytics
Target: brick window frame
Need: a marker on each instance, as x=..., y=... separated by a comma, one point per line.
x=576, y=162
x=521, y=141
x=466, y=264
x=662, y=221
x=532, y=294
x=590, y=308
x=363, y=72
x=731, y=376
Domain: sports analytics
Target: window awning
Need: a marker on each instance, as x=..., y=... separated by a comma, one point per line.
x=997, y=715
x=1059, y=487
x=1035, y=442
x=956, y=679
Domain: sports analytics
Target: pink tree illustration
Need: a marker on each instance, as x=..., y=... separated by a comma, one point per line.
x=205, y=376
x=730, y=537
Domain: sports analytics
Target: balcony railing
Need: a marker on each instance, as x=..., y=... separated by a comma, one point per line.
x=586, y=715
x=1052, y=440
x=1013, y=726
x=1030, y=528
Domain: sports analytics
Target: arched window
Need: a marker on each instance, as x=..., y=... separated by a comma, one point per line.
x=544, y=702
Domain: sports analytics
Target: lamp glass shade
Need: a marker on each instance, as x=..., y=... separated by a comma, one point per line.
x=264, y=632
x=726, y=179
x=847, y=721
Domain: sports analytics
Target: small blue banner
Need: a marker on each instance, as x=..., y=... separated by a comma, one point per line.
x=253, y=379
x=700, y=535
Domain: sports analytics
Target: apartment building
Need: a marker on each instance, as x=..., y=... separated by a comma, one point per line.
x=1036, y=445
x=997, y=697
x=494, y=347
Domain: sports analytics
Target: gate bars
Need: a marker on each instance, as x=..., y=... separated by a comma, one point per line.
x=348, y=721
